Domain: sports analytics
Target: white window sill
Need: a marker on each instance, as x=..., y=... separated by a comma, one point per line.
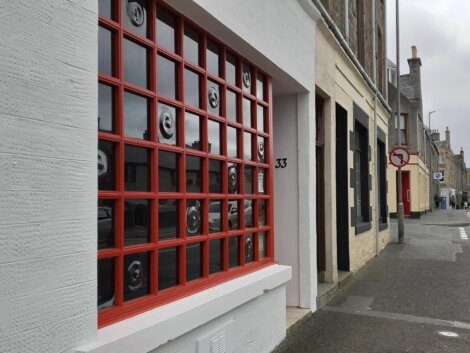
x=156, y=327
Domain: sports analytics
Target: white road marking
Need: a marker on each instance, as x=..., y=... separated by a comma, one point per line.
x=463, y=233
x=448, y=333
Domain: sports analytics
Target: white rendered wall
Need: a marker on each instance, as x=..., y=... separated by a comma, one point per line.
x=48, y=90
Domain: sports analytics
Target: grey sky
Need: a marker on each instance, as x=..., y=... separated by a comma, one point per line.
x=440, y=30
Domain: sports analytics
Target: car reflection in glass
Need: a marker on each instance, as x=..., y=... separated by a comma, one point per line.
x=215, y=219
x=233, y=214
x=105, y=227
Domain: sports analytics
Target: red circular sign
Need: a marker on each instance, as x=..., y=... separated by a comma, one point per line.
x=399, y=157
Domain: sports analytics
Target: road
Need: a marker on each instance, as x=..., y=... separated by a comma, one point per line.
x=414, y=297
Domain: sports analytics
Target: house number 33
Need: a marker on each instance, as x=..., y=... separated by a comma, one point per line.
x=281, y=163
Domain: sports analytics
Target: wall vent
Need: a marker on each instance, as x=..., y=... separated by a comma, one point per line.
x=218, y=340
x=219, y=343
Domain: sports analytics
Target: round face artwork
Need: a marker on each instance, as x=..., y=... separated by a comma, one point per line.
x=135, y=276
x=213, y=96
x=193, y=218
x=136, y=13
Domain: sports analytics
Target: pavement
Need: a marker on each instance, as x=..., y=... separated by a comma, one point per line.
x=413, y=297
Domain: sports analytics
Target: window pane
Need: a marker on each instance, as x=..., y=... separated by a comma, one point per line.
x=231, y=69
x=135, y=15
x=191, y=88
x=260, y=118
x=105, y=283
x=192, y=130
x=167, y=124
x=262, y=181
x=231, y=101
x=106, y=165
x=233, y=219
x=105, y=224
x=246, y=78
x=105, y=51
x=249, y=248
x=167, y=171
x=358, y=190
x=135, y=64
x=215, y=216
x=105, y=108
x=232, y=142
x=212, y=58
x=233, y=178
x=215, y=176
x=261, y=149
x=246, y=112
x=166, y=77
x=136, y=116
x=249, y=214
x=213, y=134
x=247, y=146
x=193, y=174
x=262, y=213
x=193, y=261
x=168, y=274
x=168, y=222
x=165, y=29
x=191, y=45
x=260, y=86
x=214, y=105
x=136, y=222
x=193, y=217
x=249, y=179
x=233, y=252
x=136, y=275
x=215, y=256
x=262, y=246
x=104, y=8
x=136, y=169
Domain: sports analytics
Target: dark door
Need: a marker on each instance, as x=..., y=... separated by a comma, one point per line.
x=342, y=208
x=406, y=193
x=320, y=183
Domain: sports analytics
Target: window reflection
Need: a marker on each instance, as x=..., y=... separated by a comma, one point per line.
x=215, y=216
x=193, y=261
x=193, y=174
x=262, y=246
x=135, y=64
x=136, y=116
x=136, y=276
x=233, y=215
x=193, y=217
x=165, y=29
x=232, y=142
x=134, y=14
x=261, y=149
x=262, y=213
x=233, y=252
x=260, y=86
x=215, y=176
x=167, y=124
x=105, y=108
x=215, y=255
x=262, y=181
x=249, y=179
x=105, y=51
x=249, y=214
x=231, y=102
x=168, y=274
x=168, y=222
x=231, y=69
x=191, y=45
x=105, y=224
x=105, y=283
x=246, y=78
x=166, y=77
x=167, y=171
x=260, y=118
x=212, y=58
x=104, y=8
x=233, y=178
x=214, y=99
x=249, y=248
x=246, y=112
x=106, y=165
x=247, y=146
x=191, y=88
x=213, y=135
x=136, y=222
x=192, y=131
x=136, y=169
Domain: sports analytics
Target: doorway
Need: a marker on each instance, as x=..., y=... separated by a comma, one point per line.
x=320, y=186
x=342, y=175
x=406, y=193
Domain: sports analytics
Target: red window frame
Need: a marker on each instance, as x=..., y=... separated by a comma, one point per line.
x=124, y=309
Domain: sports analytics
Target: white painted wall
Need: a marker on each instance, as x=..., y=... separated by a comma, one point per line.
x=48, y=90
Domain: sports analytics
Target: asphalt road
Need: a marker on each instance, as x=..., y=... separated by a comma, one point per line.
x=414, y=297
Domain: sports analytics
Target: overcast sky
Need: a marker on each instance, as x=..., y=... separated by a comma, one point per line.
x=441, y=31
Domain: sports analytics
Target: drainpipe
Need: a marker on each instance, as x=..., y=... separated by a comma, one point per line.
x=331, y=24
x=385, y=46
x=346, y=21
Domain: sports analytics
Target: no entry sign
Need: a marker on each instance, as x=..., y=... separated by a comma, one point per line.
x=399, y=157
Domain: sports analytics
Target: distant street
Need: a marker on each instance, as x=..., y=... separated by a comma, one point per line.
x=414, y=297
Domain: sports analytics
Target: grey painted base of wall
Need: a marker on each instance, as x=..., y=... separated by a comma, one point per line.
x=414, y=215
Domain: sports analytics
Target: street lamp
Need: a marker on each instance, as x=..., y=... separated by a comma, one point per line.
x=429, y=119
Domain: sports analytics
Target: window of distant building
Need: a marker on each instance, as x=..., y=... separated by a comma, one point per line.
x=403, y=127
x=382, y=182
x=361, y=170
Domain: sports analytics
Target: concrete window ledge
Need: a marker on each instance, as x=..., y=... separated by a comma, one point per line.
x=156, y=327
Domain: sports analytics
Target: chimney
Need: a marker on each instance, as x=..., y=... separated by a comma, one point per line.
x=414, y=52
x=462, y=154
x=436, y=135
x=447, y=136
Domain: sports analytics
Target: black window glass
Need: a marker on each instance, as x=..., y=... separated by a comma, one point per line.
x=215, y=256
x=136, y=110
x=105, y=51
x=136, y=275
x=214, y=99
x=168, y=274
x=106, y=165
x=215, y=216
x=231, y=102
x=191, y=88
x=104, y=8
x=246, y=78
x=260, y=118
x=262, y=245
x=232, y=142
x=165, y=29
x=246, y=112
x=193, y=217
x=193, y=174
x=260, y=86
x=233, y=178
x=213, y=134
x=261, y=149
x=168, y=219
x=166, y=77
x=136, y=222
x=247, y=146
x=262, y=181
x=249, y=248
x=249, y=214
x=105, y=108
x=248, y=179
x=135, y=64
x=215, y=176
x=167, y=124
x=231, y=69
x=134, y=14
x=212, y=58
x=136, y=169
x=105, y=283
x=191, y=45
x=105, y=224
x=192, y=131
x=167, y=171
x=193, y=261
x=233, y=217
x=262, y=213
x=233, y=252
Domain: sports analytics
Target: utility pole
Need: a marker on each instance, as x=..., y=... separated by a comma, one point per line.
x=400, y=215
x=429, y=119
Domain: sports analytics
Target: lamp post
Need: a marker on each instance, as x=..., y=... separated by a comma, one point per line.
x=429, y=119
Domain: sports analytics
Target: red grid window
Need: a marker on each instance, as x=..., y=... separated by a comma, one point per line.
x=184, y=160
